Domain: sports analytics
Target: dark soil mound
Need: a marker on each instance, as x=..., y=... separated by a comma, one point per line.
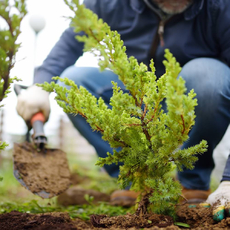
x=18, y=221
x=195, y=216
x=198, y=218
x=129, y=221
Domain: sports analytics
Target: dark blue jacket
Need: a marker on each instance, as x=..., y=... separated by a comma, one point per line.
x=203, y=30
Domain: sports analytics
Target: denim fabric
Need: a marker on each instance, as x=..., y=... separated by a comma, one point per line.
x=226, y=173
x=209, y=78
x=211, y=81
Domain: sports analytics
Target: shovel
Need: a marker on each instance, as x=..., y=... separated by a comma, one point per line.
x=44, y=172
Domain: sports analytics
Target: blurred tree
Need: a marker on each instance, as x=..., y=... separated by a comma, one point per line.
x=12, y=12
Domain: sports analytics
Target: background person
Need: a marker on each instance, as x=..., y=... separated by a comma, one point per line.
x=197, y=33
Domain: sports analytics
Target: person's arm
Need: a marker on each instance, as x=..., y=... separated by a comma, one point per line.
x=64, y=54
x=221, y=18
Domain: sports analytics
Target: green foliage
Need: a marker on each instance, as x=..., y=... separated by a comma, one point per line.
x=12, y=15
x=76, y=211
x=3, y=145
x=150, y=137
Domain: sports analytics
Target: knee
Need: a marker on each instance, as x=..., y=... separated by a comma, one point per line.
x=209, y=78
x=78, y=74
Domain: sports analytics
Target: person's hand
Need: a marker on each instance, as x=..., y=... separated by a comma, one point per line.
x=220, y=201
x=32, y=101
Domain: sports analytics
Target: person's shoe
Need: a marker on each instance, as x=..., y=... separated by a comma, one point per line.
x=127, y=198
x=195, y=196
x=124, y=198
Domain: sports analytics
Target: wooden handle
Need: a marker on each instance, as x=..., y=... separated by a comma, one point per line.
x=38, y=117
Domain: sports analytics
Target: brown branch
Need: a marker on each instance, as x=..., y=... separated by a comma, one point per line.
x=10, y=56
x=7, y=75
x=143, y=93
x=92, y=34
x=122, y=142
x=183, y=123
x=154, y=112
x=146, y=134
x=84, y=116
x=141, y=103
x=99, y=129
x=144, y=113
x=143, y=205
x=112, y=61
x=136, y=102
x=130, y=125
x=14, y=32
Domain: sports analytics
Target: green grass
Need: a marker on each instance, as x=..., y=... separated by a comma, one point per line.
x=13, y=196
x=76, y=211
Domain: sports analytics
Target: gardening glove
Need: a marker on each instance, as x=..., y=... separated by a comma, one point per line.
x=31, y=101
x=220, y=201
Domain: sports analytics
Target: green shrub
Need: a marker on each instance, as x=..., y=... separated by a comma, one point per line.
x=12, y=13
x=150, y=137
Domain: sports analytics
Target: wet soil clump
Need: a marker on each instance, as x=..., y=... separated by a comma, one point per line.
x=45, y=173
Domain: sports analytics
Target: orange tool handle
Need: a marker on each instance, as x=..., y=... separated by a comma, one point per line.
x=38, y=117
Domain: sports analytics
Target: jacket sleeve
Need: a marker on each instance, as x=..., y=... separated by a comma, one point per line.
x=222, y=30
x=65, y=52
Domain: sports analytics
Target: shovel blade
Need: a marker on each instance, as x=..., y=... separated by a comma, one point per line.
x=45, y=173
x=42, y=194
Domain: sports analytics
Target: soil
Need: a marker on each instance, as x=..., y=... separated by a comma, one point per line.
x=76, y=196
x=48, y=171
x=45, y=173
x=199, y=218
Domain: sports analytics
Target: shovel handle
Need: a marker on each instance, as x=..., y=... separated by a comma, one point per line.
x=17, y=88
x=39, y=137
x=38, y=117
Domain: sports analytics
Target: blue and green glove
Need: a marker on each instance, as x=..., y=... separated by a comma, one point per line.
x=220, y=201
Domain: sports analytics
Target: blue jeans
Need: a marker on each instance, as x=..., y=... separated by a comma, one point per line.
x=209, y=78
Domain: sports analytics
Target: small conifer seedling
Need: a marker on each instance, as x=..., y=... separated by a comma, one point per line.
x=149, y=136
